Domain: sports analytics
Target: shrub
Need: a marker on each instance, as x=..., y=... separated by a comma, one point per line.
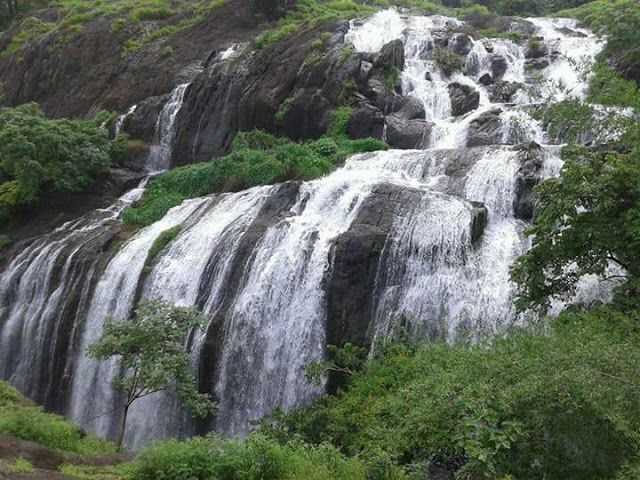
x=257, y=158
x=20, y=418
x=38, y=156
x=257, y=458
x=559, y=406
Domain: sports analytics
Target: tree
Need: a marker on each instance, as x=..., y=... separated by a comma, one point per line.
x=40, y=156
x=587, y=220
x=153, y=356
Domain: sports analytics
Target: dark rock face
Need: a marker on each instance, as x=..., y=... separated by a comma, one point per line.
x=367, y=121
x=485, y=130
x=498, y=66
x=391, y=55
x=87, y=72
x=356, y=255
x=479, y=219
x=529, y=175
x=464, y=98
x=503, y=92
x=537, y=64
x=407, y=134
x=486, y=79
x=410, y=108
x=460, y=44
x=141, y=124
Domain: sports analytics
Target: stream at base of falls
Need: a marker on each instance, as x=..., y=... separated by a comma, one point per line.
x=265, y=264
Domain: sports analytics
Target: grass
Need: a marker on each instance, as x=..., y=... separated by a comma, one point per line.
x=19, y=466
x=257, y=158
x=23, y=420
x=158, y=15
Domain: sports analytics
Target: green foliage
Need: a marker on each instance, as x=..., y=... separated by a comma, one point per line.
x=150, y=347
x=309, y=13
x=450, y=62
x=39, y=156
x=21, y=466
x=619, y=20
x=608, y=88
x=23, y=420
x=257, y=158
x=257, y=458
x=164, y=239
x=559, y=406
x=586, y=219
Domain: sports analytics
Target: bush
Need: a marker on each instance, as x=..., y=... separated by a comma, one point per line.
x=39, y=156
x=21, y=419
x=559, y=406
x=258, y=458
x=257, y=158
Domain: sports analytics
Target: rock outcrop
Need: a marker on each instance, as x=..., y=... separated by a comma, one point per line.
x=464, y=98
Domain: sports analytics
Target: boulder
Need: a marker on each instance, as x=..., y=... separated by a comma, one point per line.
x=479, y=219
x=464, y=98
x=528, y=176
x=486, y=79
x=536, y=48
x=537, y=64
x=391, y=55
x=503, y=92
x=410, y=108
x=407, y=134
x=367, y=121
x=460, y=44
x=499, y=66
x=485, y=130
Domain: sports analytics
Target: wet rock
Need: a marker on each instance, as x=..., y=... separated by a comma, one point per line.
x=486, y=79
x=365, y=71
x=428, y=77
x=479, y=219
x=285, y=89
x=485, y=130
x=367, y=121
x=529, y=175
x=407, y=134
x=357, y=254
x=460, y=44
x=464, y=98
x=410, y=108
x=503, y=92
x=537, y=64
x=141, y=124
x=499, y=66
x=391, y=55
x=536, y=48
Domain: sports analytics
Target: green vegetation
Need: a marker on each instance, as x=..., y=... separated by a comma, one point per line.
x=23, y=420
x=448, y=61
x=257, y=458
x=39, y=156
x=257, y=158
x=164, y=239
x=619, y=20
x=588, y=219
x=150, y=348
x=19, y=466
x=163, y=17
x=559, y=406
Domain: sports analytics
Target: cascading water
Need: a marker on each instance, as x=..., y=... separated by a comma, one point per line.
x=160, y=153
x=260, y=263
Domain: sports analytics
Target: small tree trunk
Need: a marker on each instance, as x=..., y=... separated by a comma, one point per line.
x=123, y=426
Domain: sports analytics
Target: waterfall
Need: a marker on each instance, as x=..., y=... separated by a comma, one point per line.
x=165, y=133
x=122, y=118
x=442, y=225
